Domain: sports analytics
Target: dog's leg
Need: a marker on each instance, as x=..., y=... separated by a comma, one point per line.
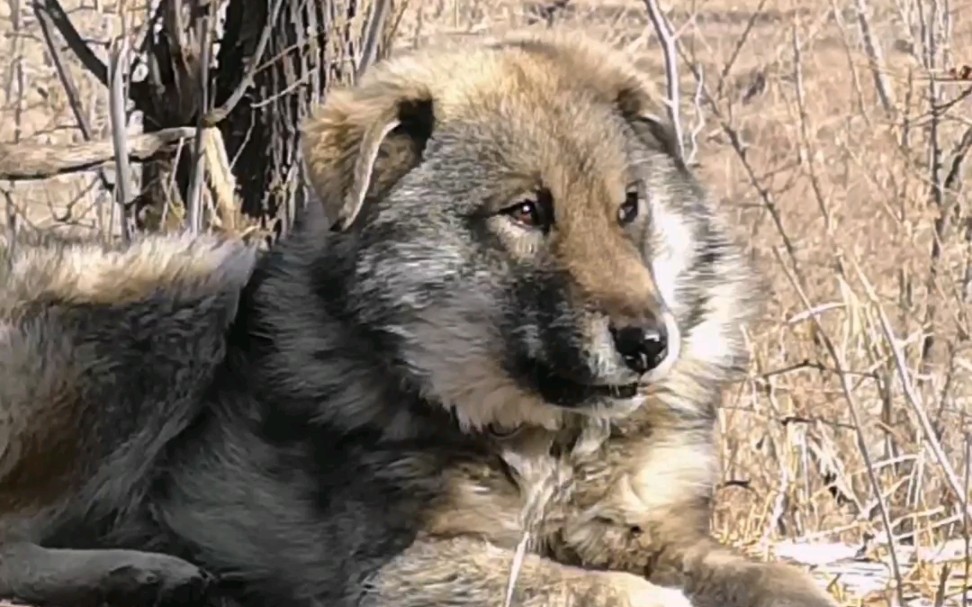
x=83, y=578
x=655, y=521
x=464, y=572
x=714, y=575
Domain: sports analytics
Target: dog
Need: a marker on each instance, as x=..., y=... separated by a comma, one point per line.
x=482, y=370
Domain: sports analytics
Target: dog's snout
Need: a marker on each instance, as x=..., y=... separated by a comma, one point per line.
x=642, y=347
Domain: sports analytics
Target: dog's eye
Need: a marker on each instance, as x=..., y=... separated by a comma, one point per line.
x=533, y=211
x=525, y=212
x=628, y=211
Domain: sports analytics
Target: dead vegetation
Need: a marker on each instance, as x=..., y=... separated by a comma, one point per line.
x=835, y=133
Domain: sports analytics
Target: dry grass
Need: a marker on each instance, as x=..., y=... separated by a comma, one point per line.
x=854, y=415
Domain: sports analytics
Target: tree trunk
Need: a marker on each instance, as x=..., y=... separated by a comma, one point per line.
x=312, y=45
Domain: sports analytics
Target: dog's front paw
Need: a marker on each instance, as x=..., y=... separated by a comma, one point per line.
x=799, y=599
x=158, y=580
x=779, y=585
x=639, y=592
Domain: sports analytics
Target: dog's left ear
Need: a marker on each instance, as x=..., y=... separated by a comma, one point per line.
x=644, y=112
x=362, y=140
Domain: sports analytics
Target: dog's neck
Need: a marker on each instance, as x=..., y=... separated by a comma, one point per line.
x=304, y=360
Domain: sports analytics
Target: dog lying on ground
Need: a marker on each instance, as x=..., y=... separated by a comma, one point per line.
x=482, y=369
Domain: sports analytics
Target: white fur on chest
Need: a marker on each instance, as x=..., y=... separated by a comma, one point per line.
x=652, y=477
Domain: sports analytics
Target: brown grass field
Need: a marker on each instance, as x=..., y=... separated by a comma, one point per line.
x=849, y=442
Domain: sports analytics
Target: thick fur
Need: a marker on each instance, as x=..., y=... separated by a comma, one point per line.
x=105, y=357
x=419, y=398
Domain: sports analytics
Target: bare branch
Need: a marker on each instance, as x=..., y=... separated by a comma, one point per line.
x=854, y=410
x=194, y=201
x=912, y=396
x=699, y=121
x=73, y=39
x=372, y=36
x=10, y=211
x=668, y=41
x=736, y=142
x=875, y=58
x=219, y=114
x=16, y=80
x=70, y=87
x=953, y=182
x=740, y=43
x=57, y=17
x=956, y=171
x=21, y=161
x=119, y=129
x=807, y=148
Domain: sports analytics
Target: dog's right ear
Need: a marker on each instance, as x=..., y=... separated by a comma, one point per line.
x=362, y=140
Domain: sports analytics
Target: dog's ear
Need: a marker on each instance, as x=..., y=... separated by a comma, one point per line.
x=362, y=140
x=642, y=109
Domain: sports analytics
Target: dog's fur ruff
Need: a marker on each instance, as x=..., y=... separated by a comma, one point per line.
x=365, y=415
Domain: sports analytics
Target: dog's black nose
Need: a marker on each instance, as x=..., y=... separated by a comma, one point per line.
x=643, y=348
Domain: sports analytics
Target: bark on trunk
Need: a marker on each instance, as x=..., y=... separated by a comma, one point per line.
x=312, y=45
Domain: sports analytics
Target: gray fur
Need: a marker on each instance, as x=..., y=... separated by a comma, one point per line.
x=364, y=431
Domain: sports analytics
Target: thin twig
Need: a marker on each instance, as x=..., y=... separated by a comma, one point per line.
x=858, y=424
x=699, y=121
x=967, y=561
x=735, y=141
x=67, y=81
x=911, y=395
x=59, y=19
x=119, y=130
x=16, y=79
x=10, y=210
x=372, y=36
x=875, y=58
x=668, y=43
x=806, y=146
x=936, y=184
x=956, y=171
x=219, y=114
x=194, y=202
x=740, y=43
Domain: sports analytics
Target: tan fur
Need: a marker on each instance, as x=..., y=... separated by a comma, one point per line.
x=467, y=566
x=604, y=505
x=117, y=276
x=40, y=450
x=345, y=133
x=631, y=498
x=44, y=455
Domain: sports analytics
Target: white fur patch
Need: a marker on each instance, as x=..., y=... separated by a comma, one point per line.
x=673, y=237
x=642, y=593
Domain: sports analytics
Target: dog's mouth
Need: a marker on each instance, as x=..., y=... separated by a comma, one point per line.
x=562, y=391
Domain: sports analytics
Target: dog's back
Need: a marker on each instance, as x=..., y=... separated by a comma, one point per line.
x=104, y=355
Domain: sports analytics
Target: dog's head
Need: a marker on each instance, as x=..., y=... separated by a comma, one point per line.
x=520, y=238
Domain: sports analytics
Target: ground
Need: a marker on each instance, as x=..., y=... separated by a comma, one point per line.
x=853, y=417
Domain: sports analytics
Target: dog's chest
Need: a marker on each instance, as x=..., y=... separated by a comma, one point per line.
x=576, y=501
x=570, y=500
